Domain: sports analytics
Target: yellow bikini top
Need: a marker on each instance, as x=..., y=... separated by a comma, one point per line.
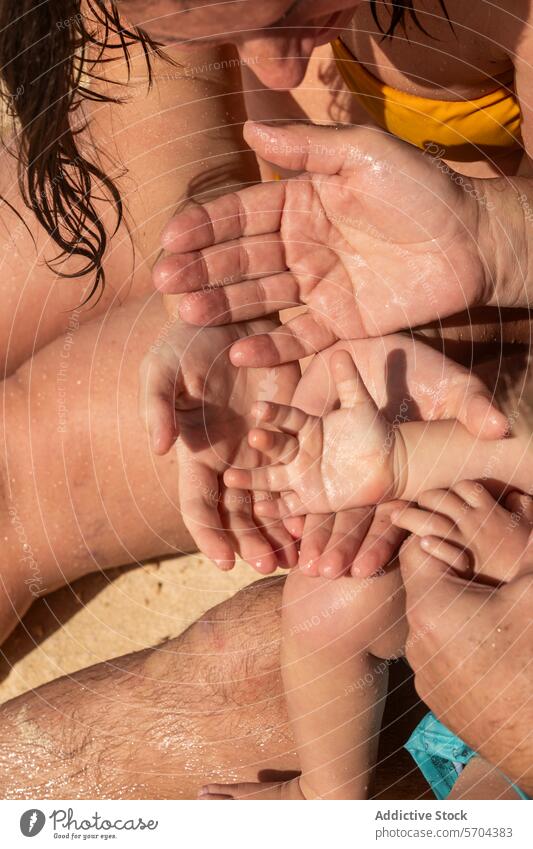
x=453, y=129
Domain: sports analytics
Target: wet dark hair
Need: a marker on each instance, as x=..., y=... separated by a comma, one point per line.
x=399, y=11
x=45, y=67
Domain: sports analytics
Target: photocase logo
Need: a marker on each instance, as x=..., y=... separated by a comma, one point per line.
x=32, y=822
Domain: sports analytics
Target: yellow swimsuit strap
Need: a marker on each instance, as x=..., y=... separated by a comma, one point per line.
x=454, y=129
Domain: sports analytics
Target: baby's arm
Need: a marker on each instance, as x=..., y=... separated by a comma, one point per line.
x=438, y=454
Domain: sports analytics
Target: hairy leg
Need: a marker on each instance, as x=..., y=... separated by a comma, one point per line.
x=336, y=635
x=152, y=725
x=81, y=490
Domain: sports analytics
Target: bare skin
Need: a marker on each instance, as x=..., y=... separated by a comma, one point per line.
x=338, y=637
x=75, y=517
x=352, y=456
x=152, y=725
x=444, y=62
x=490, y=629
x=467, y=529
x=80, y=488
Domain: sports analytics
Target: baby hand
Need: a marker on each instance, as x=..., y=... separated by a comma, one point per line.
x=342, y=460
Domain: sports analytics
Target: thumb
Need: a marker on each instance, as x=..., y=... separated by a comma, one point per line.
x=304, y=147
x=349, y=383
x=158, y=389
x=482, y=418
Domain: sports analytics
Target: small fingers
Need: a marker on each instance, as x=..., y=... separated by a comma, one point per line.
x=423, y=522
x=482, y=418
x=443, y=501
x=288, y=419
x=350, y=387
x=288, y=508
x=448, y=553
x=275, y=446
x=158, y=389
x=293, y=504
x=521, y=504
x=267, y=478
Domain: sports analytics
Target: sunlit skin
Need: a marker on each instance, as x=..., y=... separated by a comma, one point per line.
x=352, y=457
x=275, y=38
x=335, y=676
x=314, y=329
x=486, y=699
x=397, y=370
x=323, y=240
x=332, y=245
x=468, y=530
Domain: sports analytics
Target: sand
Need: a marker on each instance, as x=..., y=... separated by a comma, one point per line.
x=112, y=613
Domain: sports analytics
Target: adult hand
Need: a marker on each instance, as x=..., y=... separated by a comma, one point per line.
x=471, y=649
x=191, y=392
x=408, y=380
x=373, y=237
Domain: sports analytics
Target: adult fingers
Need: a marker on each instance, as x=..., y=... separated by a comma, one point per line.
x=298, y=338
x=347, y=535
x=241, y=302
x=283, y=542
x=199, y=500
x=249, y=212
x=315, y=537
x=304, y=147
x=381, y=543
x=158, y=386
x=221, y=265
x=249, y=542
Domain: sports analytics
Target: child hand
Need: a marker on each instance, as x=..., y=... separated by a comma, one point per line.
x=466, y=528
x=343, y=460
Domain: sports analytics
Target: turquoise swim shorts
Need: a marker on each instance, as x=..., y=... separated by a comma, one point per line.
x=441, y=756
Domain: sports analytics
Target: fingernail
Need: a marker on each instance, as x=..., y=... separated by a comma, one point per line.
x=264, y=567
x=224, y=565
